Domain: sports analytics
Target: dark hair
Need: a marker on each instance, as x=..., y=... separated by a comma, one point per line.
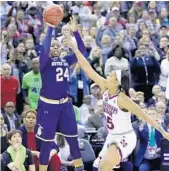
x=13, y=132
x=111, y=52
x=125, y=81
x=60, y=140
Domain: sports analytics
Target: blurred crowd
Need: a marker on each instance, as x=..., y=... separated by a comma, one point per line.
x=117, y=35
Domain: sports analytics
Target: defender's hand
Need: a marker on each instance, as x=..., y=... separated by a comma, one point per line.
x=73, y=24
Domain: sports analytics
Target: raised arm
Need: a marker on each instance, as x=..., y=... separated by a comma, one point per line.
x=44, y=56
x=126, y=103
x=84, y=64
x=80, y=43
x=71, y=59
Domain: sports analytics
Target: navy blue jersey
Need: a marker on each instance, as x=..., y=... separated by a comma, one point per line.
x=55, y=71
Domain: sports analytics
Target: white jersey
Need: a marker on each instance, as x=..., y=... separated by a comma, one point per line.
x=118, y=121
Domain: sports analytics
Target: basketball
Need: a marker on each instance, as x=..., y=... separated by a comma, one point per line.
x=53, y=14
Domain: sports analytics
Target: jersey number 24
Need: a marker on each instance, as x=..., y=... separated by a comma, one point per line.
x=61, y=74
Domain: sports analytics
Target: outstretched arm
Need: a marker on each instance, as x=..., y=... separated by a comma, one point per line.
x=126, y=103
x=84, y=64
x=44, y=56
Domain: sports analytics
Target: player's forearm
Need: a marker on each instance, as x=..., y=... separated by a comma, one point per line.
x=47, y=40
x=84, y=64
x=80, y=43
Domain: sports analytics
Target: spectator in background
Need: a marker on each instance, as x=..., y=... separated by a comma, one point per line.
x=17, y=157
x=5, y=7
x=3, y=134
x=29, y=141
x=32, y=84
x=11, y=118
x=164, y=71
x=163, y=47
x=146, y=156
x=30, y=52
x=9, y=85
x=139, y=96
x=98, y=119
x=100, y=18
x=164, y=17
x=136, y=9
x=105, y=45
x=64, y=153
x=155, y=91
x=161, y=111
x=95, y=60
x=39, y=46
x=76, y=109
x=141, y=27
x=86, y=18
x=84, y=109
x=167, y=89
x=132, y=93
x=65, y=31
x=95, y=94
x=145, y=71
x=117, y=61
x=112, y=29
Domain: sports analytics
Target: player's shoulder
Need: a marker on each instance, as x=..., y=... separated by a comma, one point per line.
x=122, y=97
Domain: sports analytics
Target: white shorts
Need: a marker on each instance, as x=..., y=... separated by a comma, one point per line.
x=125, y=142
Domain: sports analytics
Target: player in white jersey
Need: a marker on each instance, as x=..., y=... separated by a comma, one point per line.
x=121, y=139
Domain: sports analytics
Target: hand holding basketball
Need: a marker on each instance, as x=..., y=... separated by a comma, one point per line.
x=53, y=15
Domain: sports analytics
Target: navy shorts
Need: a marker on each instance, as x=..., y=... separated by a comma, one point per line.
x=55, y=118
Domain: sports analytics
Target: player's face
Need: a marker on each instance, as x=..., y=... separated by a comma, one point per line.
x=55, y=49
x=30, y=120
x=112, y=83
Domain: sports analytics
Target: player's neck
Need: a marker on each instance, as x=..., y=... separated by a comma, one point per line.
x=112, y=93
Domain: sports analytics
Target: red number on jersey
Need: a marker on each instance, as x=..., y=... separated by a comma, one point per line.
x=109, y=123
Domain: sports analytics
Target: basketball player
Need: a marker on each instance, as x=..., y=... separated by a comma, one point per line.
x=121, y=139
x=55, y=111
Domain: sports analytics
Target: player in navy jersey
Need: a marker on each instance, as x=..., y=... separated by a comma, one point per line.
x=121, y=139
x=55, y=111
